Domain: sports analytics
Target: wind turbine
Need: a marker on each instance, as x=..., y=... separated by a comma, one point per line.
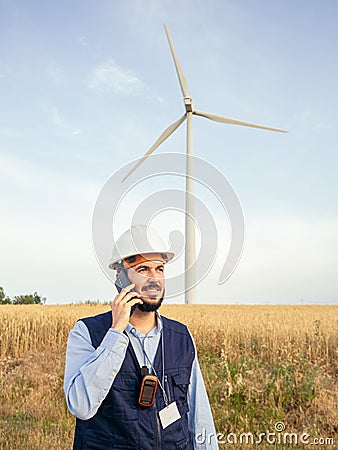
x=189, y=205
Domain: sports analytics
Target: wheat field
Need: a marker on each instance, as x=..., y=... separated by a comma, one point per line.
x=262, y=365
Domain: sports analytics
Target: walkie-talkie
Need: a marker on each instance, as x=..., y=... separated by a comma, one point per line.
x=148, y=388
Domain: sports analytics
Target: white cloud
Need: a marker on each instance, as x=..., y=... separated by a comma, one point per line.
x=302, y=116
x=14, y=169
x=285, y=259
x=4, y=71
x=310, y=119
x=60, y=122
x=55, y=73
x=46, y=230
x=22, y=179
x=322, y=126
x=292, y=242
x=110, y=77
x=8, y=133
x=56, y=117
x=82, y=40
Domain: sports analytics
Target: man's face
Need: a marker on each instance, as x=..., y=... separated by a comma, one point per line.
x=148, y=278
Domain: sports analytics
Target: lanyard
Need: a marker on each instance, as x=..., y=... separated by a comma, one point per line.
x=165, y=397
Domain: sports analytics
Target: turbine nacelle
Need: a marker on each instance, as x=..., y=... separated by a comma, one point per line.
x=188, y=104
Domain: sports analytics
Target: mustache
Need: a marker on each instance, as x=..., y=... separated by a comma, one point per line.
x=151, y=285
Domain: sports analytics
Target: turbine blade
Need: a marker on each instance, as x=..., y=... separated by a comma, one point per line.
x=166, y=133
x=181, y=78
x=235, y=121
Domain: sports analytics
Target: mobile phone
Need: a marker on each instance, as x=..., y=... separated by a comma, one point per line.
x=123, y=281
x=148, y=390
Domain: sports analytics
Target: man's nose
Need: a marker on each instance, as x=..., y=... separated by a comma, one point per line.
x=154, y=275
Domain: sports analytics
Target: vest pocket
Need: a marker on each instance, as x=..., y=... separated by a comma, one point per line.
x=182, y=378
x=179, y=385
x=123, y=413
x=122, y=400
x=124, y=384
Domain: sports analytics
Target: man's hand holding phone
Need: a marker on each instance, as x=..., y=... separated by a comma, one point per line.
x=122, y=305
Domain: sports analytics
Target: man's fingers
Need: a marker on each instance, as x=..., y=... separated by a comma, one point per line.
x=128, y=297
x=134, y=301
x=125, y=299
x=123, y=293
x=129, y=288
x=126, y=289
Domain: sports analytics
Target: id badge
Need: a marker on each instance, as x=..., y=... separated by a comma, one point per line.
x=169, y=415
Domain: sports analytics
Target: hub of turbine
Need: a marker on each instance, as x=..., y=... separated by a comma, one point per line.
x=188, y=104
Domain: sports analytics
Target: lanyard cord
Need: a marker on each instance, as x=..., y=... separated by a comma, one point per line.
x=165, y=397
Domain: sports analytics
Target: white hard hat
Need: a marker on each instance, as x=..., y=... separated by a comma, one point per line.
x=135, y=242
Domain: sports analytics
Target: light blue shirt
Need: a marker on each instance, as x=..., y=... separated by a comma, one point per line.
x=90, y=373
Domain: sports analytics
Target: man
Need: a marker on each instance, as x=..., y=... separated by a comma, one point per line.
x=132, y=378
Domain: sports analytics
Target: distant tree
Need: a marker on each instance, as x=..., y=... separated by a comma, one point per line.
x=34, y=299
x=3, y=299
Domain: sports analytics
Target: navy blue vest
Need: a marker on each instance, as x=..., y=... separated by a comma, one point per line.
x=120, y=423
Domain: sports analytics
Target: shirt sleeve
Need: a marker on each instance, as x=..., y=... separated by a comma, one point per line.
x=89, y=373
x=200, y=419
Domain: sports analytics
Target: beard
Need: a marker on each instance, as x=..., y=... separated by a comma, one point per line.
x=150, y=306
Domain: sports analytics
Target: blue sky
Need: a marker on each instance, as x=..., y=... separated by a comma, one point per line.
x=86, y=87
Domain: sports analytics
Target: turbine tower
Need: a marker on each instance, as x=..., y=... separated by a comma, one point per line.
x=189, y=204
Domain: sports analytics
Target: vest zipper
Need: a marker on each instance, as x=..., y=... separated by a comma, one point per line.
x=158, y=428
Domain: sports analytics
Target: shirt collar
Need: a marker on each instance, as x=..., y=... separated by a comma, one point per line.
x=158, y=329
